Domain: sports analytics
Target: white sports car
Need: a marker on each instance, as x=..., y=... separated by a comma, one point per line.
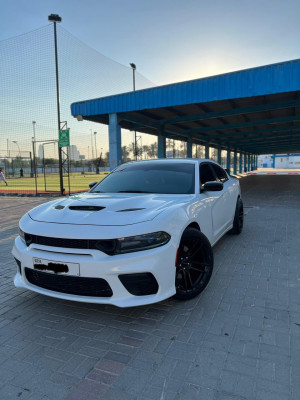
x=142, y=234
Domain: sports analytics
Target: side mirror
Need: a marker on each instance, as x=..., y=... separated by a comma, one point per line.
x=92, y=184
x=213, y=186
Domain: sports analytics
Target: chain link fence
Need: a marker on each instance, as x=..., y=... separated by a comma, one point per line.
x=28, y=111
x=28, y=114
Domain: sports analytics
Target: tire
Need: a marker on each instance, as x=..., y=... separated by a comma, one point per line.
x=238, y=220
x=194, y=264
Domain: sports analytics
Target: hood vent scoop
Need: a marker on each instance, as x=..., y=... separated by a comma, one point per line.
x=86, y=208
x=131, y=209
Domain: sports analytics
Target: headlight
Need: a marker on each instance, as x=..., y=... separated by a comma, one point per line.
x=22, y=235
x=133, y=243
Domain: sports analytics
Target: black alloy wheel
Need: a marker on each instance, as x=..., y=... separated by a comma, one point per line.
x=194, y=264
x=238, y=221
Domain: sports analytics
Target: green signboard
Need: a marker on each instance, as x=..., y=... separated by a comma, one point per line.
x=64, y=138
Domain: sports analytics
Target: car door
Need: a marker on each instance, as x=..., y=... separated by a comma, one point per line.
x=228, y=197
x=215, y=200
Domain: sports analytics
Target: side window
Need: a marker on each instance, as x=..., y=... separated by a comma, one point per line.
x=206, y=174
x=221, y=174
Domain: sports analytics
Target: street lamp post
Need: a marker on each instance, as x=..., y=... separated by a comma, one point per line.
x=133, y=66
x=92, y=143
x=56, y=18
x=34, y=172
x=33, y=126
x=96, y=155
x=95, y=133
x=16, y=142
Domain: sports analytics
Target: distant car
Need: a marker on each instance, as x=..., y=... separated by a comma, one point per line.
x=141, y=235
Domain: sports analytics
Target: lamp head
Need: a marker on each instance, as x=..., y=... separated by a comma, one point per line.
x=133, y=66
x=54, y=18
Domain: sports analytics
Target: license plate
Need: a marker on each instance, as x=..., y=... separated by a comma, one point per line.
x=56, y=267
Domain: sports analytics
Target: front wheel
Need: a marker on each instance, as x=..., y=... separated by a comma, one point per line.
x=194, y=264
x=238, y=220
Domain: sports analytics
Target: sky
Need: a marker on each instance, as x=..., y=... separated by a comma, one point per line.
x=170, y=40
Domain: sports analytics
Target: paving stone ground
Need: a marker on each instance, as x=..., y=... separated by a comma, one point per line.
x=239, y=340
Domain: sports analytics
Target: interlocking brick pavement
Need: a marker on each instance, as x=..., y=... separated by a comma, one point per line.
x=239, y=340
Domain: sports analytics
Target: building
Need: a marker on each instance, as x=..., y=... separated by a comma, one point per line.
x=282, y=161
x=74, y=153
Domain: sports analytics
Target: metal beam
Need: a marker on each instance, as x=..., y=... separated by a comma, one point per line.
x=205, y=139
x=138, y=124
x=265, y=141
x=242, y=125
x=276, y=149
x=230, y=112
x=264, y=137
x=255, y=132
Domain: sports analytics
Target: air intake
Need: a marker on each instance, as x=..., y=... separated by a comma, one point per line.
x=131, y=209
x=86, y=208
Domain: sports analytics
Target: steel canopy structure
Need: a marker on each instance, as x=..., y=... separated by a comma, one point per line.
x=251, y=112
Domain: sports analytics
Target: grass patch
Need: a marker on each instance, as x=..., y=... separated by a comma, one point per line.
x=78, y=182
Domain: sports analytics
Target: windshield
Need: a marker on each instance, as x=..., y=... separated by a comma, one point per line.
x=152, y=177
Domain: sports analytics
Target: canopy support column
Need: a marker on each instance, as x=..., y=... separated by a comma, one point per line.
x=206, y=151
x=248, y=162
x=115, y=150
x=240, y=166
x=161, y=145
x=235, y=162
x=219, y=155
x=189, y=148
x=228, y=161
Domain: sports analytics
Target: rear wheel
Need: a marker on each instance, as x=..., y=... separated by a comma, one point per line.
x=238, y=220
x=194, y=264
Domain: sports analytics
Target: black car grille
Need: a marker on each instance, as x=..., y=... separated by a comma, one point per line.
x=95, y=287
x=60, y=242
x=105, y=245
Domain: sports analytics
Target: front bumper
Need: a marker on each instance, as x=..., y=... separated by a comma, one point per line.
x=159, y=262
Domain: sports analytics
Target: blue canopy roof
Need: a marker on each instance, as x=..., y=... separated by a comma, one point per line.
x=214, y=110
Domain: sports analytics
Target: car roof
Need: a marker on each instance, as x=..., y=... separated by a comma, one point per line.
x=176, y=160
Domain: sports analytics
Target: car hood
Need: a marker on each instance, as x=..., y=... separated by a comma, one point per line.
x=110, y=209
